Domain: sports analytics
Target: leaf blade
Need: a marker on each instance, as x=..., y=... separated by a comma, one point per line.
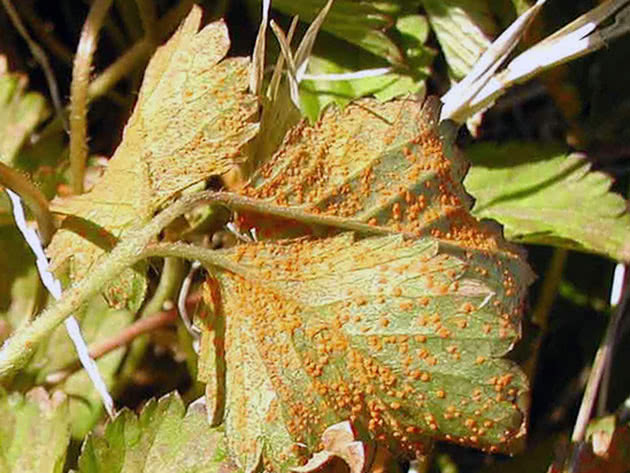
x=192, y=118
x=543, y=195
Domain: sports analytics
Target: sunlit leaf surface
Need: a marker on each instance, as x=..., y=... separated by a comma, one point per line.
x=164, y=437
x=361, y=23
x=544, y=195
x=464, y=30
x=334, y=56
x=192, y=117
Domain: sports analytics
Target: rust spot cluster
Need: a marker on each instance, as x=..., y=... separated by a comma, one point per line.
x=380, y=351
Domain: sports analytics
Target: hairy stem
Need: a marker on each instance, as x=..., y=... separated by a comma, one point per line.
x=17, y=350
x=35, y=200
x=134, y=247
x=132, y=58
x=79, y=91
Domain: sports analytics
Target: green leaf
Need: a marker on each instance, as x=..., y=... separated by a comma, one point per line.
x=333, y=56
x=15, y=260
x=34, y=432
x=191, y=120
x=543, y=195
x=98, y=321
x=360, y=23
x=464, y=30
x=164, y=438
x=401, y=333
x=20, y=112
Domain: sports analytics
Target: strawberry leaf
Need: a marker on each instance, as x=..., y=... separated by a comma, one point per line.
x=165, y=437
x=463, y=30
x=401, y=333
x=34, y=432
x=20, y=112
x=192, y=118
x=359, y=23
x=545, y=196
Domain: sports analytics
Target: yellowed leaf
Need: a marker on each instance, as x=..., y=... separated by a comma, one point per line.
x=193, y=116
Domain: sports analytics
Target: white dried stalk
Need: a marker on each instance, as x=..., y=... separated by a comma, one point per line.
x=54, y=287
x=580, y=37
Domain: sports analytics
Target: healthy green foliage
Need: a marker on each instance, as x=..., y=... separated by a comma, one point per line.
x=20, y=112
x=333, y=56
x=463, y=29
x=360, y=23
x=34, y=432
x=544, y=195
x=164, y=437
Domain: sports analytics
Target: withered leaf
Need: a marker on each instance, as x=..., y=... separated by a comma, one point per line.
x=192, y=118
x=401, y=334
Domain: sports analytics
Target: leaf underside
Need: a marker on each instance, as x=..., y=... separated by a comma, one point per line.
x=401, y=333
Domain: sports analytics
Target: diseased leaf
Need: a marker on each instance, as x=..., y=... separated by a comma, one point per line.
x=463, y=29
x=164, y=438
x=544, y=195
x=34, y=432
x=400, y=333
x=191, y=120
x=402, y=337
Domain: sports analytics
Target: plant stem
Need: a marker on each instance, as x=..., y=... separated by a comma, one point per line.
x=238, y=202
x=540, y=315
x=34, y=198
x=126, y=63
x=140, y=327
x=46, y=36
x=17, y=350
x=146, y=8
x=601, y=360
x=134, y=247
x=79, y=91
x=139, y=52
